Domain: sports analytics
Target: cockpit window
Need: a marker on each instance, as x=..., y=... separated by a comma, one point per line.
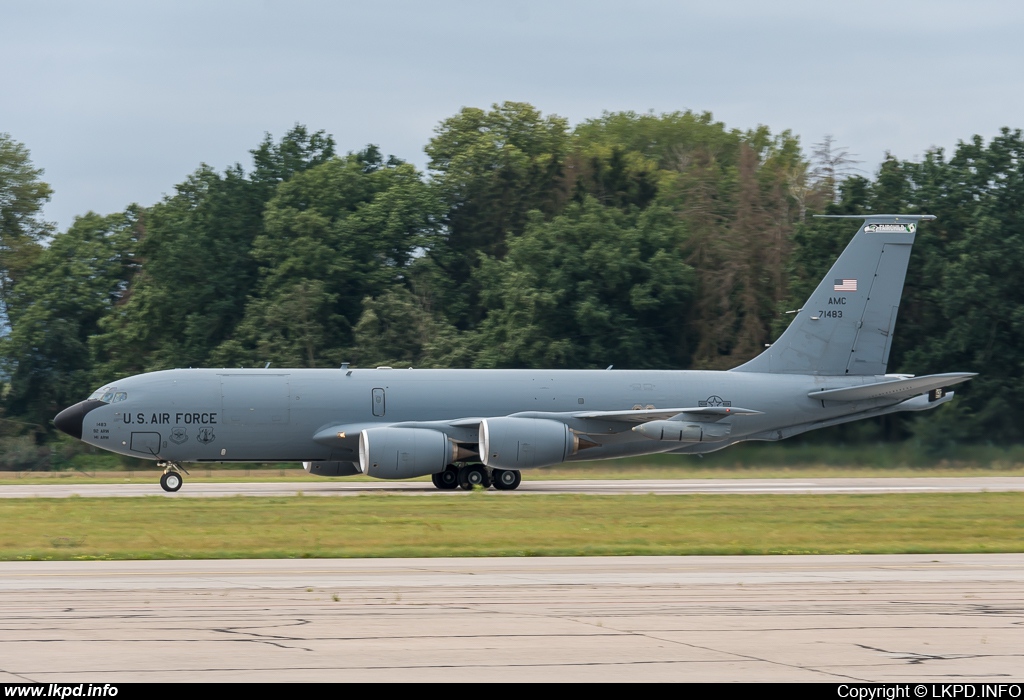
x=108, y=395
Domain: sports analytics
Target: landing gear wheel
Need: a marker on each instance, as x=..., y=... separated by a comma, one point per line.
x=446, y=480
x=473, y=476
x=506, y=479
x=171, y=481
x=172, y=478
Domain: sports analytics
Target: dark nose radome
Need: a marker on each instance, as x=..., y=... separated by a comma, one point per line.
x=70, y=419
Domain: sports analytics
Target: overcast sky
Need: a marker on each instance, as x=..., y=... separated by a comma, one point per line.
x=119, y=101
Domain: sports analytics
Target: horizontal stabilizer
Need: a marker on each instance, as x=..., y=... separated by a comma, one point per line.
x=896, y=389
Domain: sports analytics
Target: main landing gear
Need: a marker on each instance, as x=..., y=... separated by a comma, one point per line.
x=448, y=479
x=473, y=476
x=506, y=479
x=171, y=480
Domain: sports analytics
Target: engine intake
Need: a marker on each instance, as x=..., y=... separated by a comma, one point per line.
x=403, y=453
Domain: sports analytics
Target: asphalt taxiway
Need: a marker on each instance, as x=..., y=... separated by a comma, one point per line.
x=338, y=487
x=881, y=618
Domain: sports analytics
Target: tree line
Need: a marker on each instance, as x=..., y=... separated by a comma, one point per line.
x=634, y=240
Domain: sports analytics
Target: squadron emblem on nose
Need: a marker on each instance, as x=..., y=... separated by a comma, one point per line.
x=206, y=436
x=178, y=436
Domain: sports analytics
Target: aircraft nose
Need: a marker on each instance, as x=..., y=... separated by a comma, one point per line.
x=70, y=419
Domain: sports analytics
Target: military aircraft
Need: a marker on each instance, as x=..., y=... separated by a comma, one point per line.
x=478, y=427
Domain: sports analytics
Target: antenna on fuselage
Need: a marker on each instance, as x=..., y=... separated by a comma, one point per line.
x=267, y=366
x=344, y=365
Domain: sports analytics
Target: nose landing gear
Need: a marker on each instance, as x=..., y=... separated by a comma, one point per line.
x=171, y=480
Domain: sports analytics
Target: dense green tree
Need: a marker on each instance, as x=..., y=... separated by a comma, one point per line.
x=589, y=288
x=491, y=169
x=57, y=307
x=612, y=175
x=195, y=272
x=297, y=150
x=670, y=141
x=196, y=268
x=732, y=190
x=334, y=234
x=22, y=229
x=981, y=327
x=400, y=329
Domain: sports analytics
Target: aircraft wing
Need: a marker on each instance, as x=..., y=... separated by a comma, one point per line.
x=626, y=416
x=647, y=415
x=897, y=389
x=465, y=429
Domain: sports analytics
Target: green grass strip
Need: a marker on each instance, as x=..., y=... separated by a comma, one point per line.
x=492, y=524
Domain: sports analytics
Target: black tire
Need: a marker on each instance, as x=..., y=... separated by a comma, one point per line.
x=506, y=479
x=474, y=476
x=171, y=481
x=446, y=480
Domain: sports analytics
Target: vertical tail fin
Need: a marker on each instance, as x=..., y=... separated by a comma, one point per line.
x=846, y=325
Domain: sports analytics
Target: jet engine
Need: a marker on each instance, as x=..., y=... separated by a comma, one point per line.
x=402, y=453
x=331, y=468
x=523, y=443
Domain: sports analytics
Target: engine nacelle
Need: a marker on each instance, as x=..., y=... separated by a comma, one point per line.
x=331, y=468
x=683, y=431
x=525, y=443
x=403, y=453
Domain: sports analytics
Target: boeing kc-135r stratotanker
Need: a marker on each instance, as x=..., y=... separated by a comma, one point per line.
x=476, y=427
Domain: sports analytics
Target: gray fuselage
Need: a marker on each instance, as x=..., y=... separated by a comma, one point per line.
x=221, y=415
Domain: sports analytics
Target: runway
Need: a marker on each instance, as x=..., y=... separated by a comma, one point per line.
x=339, y=487
x=896, y=618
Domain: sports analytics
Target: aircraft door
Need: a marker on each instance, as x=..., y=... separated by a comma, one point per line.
x=378, y=402
x=146, y=443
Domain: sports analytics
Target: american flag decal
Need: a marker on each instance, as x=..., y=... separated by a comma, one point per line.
x=845, y=286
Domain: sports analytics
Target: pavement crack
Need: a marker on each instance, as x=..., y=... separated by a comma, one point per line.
x=18, y=675
x=748, y=657
x=245, y=634
x=914, y=657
